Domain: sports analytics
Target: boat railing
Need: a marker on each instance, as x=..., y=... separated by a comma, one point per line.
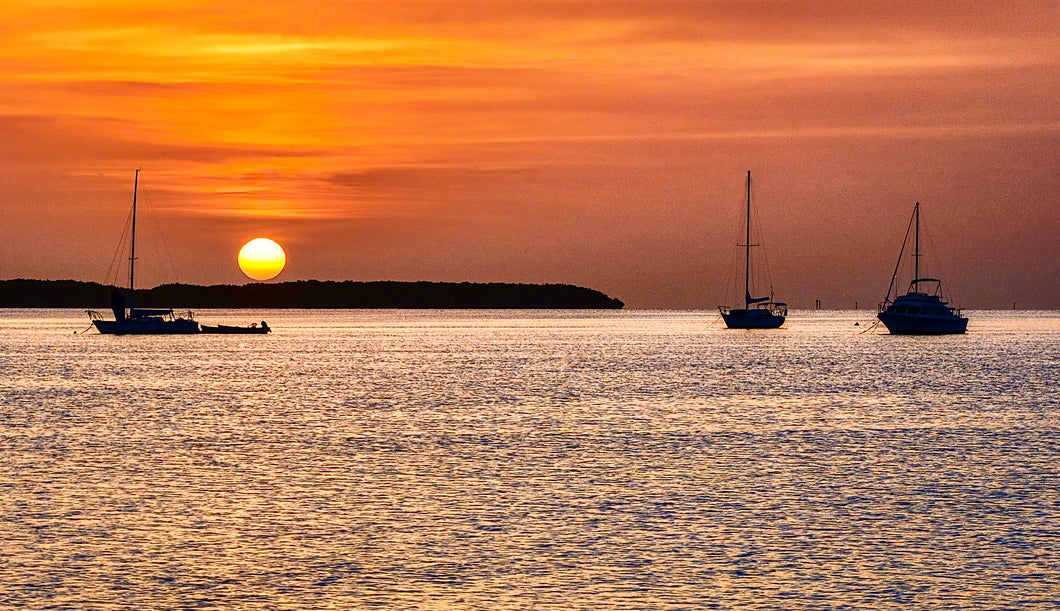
x=914, y=286
x=167, y=315
x=776, y=308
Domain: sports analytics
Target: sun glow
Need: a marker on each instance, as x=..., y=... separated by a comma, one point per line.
x=262, y=259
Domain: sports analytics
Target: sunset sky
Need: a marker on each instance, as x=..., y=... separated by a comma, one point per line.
x=603, y=144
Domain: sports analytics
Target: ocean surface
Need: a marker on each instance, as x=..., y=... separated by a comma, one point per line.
x=530, y=460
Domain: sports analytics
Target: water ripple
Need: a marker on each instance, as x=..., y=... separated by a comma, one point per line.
x=545, y=460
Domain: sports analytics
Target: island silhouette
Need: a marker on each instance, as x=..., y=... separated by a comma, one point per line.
x=310, y=294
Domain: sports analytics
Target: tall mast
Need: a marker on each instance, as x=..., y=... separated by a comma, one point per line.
x=132, y=247
x=747, y=248
x=916, y=252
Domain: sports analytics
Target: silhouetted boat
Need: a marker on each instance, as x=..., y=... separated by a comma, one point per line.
x=253, y=329
x=758, y=312
x=140, y=321
x=921, y=311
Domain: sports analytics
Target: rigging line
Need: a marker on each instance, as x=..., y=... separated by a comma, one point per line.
x=761, y=253
x=873, y=327
x=165, y=248
x=939, y=267
x=732, y=278
x=732, y=293
x=898, y=265
x=146, y=198
x=115, y=262
x=760, y=244
x=925, y=246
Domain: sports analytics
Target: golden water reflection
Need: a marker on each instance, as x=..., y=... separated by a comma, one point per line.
x=547, y=460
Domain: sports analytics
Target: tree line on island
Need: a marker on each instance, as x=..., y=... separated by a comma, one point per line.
x=310, y=294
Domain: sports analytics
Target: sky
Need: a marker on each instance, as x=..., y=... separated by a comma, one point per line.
x=597, y=143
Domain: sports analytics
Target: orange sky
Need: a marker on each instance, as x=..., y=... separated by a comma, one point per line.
x=603, y=144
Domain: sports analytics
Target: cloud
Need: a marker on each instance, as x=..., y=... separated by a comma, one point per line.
x=586, y=138
x=78, y=142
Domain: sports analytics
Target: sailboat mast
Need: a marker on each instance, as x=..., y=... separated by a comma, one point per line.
x=747, y=248
x=916, y=252
x=132, y=245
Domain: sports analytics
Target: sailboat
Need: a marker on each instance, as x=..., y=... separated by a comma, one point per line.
x=921, y=311
x=758, y=312
x=140, y=321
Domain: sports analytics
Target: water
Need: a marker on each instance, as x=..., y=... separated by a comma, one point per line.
x=530, y=460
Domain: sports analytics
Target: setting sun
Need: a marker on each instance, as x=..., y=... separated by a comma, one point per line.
x=261, y=259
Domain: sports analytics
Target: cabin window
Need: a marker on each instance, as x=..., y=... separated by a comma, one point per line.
x=914, y=310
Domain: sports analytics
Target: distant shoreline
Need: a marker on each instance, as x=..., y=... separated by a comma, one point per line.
x=310, y=294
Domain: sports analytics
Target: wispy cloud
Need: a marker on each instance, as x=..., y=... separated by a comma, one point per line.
x=514, y=116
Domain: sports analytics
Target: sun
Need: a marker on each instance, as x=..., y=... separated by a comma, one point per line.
x=261, y=259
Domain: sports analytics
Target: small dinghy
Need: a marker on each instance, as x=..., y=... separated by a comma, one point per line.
x=253, y=328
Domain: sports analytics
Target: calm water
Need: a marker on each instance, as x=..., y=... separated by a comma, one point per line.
x=530, y=460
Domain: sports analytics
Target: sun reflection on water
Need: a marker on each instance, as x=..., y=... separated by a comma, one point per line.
x=506, y=460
